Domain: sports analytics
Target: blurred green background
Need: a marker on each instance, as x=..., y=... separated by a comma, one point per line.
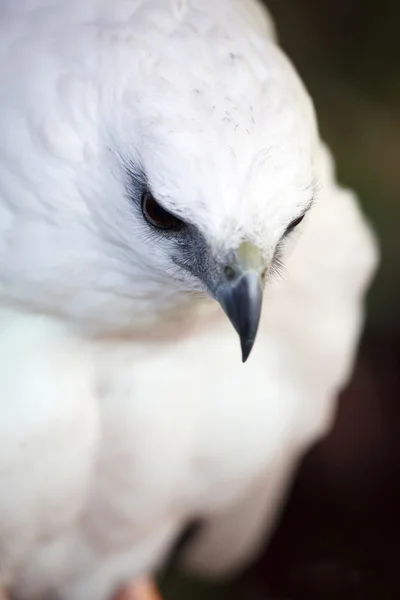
x=348, y=54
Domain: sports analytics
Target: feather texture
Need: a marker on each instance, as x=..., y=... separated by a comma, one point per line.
x=125, y=409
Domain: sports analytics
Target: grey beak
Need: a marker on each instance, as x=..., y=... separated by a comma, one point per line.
x=241, y=299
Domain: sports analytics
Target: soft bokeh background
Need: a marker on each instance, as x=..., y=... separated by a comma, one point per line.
x=340, y=535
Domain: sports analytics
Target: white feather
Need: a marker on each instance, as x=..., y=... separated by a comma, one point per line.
x=125, y=409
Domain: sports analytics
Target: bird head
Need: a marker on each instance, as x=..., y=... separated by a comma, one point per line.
x=143, y=167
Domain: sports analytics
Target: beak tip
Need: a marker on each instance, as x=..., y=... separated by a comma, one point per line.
x=247, y=346
x=241, y=301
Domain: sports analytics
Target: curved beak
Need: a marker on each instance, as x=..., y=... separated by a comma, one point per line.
x=240, y=294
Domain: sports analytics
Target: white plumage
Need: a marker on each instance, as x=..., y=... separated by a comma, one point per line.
x=125, y=409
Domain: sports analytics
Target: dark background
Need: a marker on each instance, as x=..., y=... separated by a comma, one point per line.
x=339, y=537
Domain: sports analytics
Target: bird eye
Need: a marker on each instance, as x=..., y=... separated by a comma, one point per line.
x=156, y=215
x=294, y=224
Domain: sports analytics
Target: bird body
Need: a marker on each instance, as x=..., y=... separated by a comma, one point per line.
x=126, y=411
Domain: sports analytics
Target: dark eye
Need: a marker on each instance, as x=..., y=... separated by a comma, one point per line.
x=157, y=215
x=294, y=224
